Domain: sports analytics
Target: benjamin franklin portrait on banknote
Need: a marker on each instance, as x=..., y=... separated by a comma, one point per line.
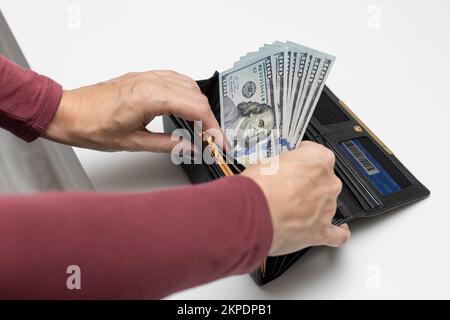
x=251, y=122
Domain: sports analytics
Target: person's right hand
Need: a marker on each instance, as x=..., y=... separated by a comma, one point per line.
x=302, y=198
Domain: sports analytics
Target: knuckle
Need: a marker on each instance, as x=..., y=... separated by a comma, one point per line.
x=194, y=85
x=347, y=237
x=166, y=146
x=328, y=156
x=204, y=100
x=160, y=72
x=342, y=240
x=150, y=81
x=324, y=234
x=131, y=74
x=200, y=112
x=203, y=105
x=171, y=72
x=313, y=146
x=336, y=185
x=150, y=75
x=308, y=144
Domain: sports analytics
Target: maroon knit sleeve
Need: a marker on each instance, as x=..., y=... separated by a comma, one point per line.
x=28, y=100
x=126, y=246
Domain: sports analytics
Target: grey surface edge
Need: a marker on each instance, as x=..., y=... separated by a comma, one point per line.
x=66, y=171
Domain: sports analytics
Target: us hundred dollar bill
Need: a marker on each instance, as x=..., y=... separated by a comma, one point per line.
x=311, y=103
x=248, y=114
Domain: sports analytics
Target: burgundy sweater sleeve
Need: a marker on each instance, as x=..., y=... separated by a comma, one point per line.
x=28, y=100
x=131, y=245
x=145, y=245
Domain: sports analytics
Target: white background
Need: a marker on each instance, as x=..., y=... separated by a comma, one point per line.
x=392, y=70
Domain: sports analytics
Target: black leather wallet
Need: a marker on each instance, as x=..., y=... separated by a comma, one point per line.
x=374, y=180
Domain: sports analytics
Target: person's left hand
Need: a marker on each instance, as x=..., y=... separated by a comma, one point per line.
x=112, y=115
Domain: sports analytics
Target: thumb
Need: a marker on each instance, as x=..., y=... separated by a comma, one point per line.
x=337, y=235
x=161, y=142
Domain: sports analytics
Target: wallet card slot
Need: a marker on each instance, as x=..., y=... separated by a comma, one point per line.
x=360, y=185
x=360, y=193
x=327, y=112
x=329, y=116
x=350, y=188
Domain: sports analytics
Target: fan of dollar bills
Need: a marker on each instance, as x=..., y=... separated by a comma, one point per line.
x=268, y=97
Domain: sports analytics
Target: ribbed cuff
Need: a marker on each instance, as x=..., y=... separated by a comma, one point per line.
x=47, y=109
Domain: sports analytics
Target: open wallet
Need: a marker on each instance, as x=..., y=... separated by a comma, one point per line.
x=374, y=180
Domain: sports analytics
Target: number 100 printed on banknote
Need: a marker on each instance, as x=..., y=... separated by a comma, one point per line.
x=268, y=97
